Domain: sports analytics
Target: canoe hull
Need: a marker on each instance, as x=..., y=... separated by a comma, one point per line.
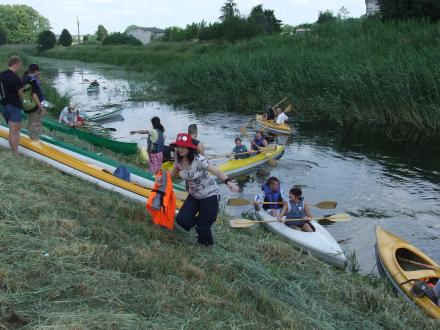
x=126, y=148
x=272, y=127
x=389, y=248
x=103, y=115
x=320, y=243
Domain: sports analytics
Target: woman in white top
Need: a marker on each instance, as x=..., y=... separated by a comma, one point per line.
x=201, y=206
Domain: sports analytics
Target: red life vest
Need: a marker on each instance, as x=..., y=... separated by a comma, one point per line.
x=162, y=202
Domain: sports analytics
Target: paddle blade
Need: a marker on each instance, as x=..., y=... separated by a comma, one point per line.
x=243, y=130
x=343, y=217
x=239, y=202
x=242, y=223
x=288, y=108
x=326, y=205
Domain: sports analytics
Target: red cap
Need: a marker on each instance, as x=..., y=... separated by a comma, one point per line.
x=184, y=140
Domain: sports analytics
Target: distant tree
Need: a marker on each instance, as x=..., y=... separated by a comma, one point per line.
x=101, y=33
x=130, y=27
x=65, y=38
x=410, y=9
x=22, y=23
x=229, y=10
x=326, y=16
x=3, y=36
x=121, y=39
x=264, y=20
x=46, y=40
x=86, y=38
x=343, y=13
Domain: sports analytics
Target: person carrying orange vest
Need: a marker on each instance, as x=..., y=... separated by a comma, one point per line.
x=162, y=201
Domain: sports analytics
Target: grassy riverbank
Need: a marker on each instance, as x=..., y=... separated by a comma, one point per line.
x=362, y=71
x=74, y=255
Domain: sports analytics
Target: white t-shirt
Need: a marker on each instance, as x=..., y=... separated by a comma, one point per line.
x=282, y=118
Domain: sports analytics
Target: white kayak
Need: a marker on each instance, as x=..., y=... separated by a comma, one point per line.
x=319, y=243
x=102, y=115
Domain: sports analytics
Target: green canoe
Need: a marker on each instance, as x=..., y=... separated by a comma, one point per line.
x=126, y=148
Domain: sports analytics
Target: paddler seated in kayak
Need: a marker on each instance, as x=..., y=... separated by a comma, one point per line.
x=259, y=141
x=273, y=194
x=240, y=151
x=270, y=114
x=193, y=131
x=69, y=116
x=422, y=288
x=156, y=143
x=296, y=208
x=94, y=83
x=281, y=116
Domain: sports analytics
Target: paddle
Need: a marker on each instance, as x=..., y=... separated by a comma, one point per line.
x=242, y=202
x=418, y=264
x=263, y=149
x=245, y=223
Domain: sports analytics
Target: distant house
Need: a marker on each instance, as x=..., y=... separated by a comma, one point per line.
x=145, y=34
x=373, y=7
x=302, y=31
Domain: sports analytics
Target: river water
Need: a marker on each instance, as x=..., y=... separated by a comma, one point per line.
x=394, y=184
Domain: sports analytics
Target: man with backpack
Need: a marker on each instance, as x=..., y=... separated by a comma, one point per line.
x=32, y=98
x=11, y=92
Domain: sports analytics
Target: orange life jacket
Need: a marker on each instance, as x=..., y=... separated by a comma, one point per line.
x=162, y=202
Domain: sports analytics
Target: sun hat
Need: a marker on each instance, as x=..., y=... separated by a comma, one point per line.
x=72, y=107
x=184, y=140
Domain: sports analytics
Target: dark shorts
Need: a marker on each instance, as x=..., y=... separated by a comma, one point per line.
x=12, y=114
x=297, y=223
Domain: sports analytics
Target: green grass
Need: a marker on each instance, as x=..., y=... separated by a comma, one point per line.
x=77, y=256
x=360, y=71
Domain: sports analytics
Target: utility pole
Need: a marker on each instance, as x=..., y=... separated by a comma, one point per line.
x=77, y=22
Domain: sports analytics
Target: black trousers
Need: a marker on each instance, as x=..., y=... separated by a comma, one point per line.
x=207, y=209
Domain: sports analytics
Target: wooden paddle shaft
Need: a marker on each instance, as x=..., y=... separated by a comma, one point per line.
x=418, y=263
x=279, y=102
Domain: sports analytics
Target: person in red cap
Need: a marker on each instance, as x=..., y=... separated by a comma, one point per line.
x=203, y=194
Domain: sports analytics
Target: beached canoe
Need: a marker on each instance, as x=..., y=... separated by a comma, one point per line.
x=72, y=165
x=126, y=148
x=92, y=89
x=319, y=243
x=237, y=167
x=398, y=260
x=138, y=176
x=102, y=115
x=272, y=127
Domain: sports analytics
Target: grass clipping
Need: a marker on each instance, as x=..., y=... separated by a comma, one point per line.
x=79, y=257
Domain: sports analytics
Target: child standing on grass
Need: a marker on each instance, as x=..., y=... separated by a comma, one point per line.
x=156, y=142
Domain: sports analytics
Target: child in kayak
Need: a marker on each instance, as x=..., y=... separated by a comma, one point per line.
x=296, y=208
x=259, y=141
x=240, y=151
x=281, y=116
x=193, y=131
x=273, y=193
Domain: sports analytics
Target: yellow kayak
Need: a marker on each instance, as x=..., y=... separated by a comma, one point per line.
x=237, y=167
x=401, y=263
x=273, y=127
x=68, y=163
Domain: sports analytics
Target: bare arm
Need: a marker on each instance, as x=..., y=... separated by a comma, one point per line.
x=283, y=210
x=37, y=101
x=201, y=149
x=140, y=132
x=307, y=210
x=222, y=176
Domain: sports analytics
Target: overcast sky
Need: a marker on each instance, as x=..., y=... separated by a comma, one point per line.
x=116, y=15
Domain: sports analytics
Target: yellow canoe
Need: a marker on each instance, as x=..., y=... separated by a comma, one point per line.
x=237, y=167
x=71, y=165
x=399, y=262
x=273, y=127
